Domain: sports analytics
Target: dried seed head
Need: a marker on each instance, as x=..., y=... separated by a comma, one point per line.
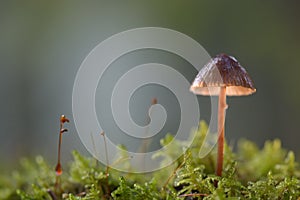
x=154, y=101
x=63, y=130
x=63, y=119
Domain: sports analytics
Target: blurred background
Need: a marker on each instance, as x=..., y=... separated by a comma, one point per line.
x=43, y=43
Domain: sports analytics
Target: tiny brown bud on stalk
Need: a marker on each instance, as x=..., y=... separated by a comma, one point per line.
x=58, y=168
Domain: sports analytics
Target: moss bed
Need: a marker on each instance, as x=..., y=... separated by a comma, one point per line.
x=249, y=173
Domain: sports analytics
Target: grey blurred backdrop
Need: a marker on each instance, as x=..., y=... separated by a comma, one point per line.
x=42, y=44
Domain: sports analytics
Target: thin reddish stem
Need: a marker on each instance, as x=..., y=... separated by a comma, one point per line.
x=59, y=147
x=58, y=168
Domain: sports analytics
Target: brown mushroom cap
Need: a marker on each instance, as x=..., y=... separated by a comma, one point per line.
x=223, y=70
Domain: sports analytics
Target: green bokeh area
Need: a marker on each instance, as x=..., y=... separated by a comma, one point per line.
x=42, y=45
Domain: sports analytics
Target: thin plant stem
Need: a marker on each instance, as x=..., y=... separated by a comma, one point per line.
x=59, y=150
x=107, y=163
x=58, y=168
x=52, y=195
x=174, y=173
x=95, y=150
x=146, y=142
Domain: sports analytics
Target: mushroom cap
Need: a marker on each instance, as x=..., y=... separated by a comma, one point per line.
x=220, y=71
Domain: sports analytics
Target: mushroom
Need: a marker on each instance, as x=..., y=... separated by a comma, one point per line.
x=221, y=76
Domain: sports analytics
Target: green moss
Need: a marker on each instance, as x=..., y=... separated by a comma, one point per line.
x=249, y=173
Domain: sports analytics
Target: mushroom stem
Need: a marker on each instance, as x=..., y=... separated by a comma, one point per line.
x=221, y=122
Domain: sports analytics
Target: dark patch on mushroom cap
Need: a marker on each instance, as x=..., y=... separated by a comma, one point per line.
x=223, y=70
